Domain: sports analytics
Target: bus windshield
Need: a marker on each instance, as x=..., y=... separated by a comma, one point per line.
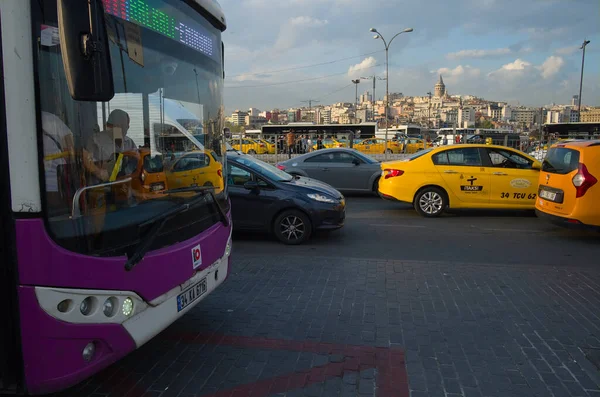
x=168, y=77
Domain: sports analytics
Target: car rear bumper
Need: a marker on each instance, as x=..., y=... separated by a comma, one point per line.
x=569, y=223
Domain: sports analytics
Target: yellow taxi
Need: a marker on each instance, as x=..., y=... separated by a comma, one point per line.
x=250, y=146
x=329, y=143
x=196, y=169
x=462, y=176
x=270, y=146
x=569, y=191
x=413, y=145
x=377, y=145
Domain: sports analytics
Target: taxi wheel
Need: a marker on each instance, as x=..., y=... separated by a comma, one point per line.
x=431, y=202
x=292, y=227
x=251, y=151
x=389, y=151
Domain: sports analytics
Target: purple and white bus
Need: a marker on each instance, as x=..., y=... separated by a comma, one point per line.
x=98, y=254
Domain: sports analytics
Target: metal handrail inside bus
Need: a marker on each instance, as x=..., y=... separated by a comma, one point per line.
x=76, y=208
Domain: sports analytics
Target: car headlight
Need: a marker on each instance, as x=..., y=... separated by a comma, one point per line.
x=322, y=198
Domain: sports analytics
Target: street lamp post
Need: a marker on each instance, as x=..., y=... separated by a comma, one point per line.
x=374, y=97
x=387, y=78
x=585, y=43
x=429, y=111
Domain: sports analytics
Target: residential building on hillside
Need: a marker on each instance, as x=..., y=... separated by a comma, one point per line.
x=591, y=116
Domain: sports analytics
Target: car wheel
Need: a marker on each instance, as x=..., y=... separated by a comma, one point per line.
x=251, y=151
x=389, y=151
x=208, y=184
x=431, y=202
x=376, y=185
x=292, y=227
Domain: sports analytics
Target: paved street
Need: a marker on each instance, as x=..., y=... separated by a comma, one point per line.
x=393, y=305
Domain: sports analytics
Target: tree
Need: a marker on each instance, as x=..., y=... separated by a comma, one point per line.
x=484, y=124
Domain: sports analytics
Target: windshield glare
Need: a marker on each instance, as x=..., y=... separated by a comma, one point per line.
x=265, y=169
x=168, y=102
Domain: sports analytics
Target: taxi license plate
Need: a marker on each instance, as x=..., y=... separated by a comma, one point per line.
x=188, y=296
x=548, y=195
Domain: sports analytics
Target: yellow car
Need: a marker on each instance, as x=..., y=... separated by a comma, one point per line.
x=270, y=146
x=250, y=146
x=376, y=145
x=329, y=143
x=569, y=191
x=413, y=145
x=462, y=176
x=196, y=169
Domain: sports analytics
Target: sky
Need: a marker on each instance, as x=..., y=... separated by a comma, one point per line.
x=283, y=53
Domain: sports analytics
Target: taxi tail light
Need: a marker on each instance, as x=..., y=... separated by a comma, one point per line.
x=220, y=173
x=583, y=180
x=281, y=167
x=391, y=173
x=261, y=144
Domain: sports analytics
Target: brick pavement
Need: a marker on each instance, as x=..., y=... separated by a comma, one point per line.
x=355, y=327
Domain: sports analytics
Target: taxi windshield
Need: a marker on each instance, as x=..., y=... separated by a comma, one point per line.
x=109, y=164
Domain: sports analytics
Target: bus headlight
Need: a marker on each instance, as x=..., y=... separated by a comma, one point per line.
x=109, y=306
x=86, y=306
x=127, y=307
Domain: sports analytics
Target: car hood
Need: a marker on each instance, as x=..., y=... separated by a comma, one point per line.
x=314, y=185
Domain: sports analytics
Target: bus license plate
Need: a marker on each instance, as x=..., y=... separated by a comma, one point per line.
x=188, y=296
x=548, y=195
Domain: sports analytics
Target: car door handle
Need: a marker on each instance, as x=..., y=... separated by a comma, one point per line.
x=500, y=173
x=450, y=172
x=324, y=169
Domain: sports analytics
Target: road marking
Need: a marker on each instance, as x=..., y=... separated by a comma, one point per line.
x=513, y=230
x=388, y=225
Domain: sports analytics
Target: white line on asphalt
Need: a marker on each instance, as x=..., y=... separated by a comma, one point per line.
x=512, y=230
x=388, y=225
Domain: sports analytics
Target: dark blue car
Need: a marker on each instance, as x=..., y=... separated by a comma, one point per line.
x=266, y=199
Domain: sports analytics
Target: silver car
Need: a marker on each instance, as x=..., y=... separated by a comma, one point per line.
x=347, y=170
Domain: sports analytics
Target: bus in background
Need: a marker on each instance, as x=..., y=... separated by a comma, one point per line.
x=89, y=273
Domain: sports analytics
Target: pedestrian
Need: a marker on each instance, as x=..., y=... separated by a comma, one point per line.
x=309, y=143
x=351, y=139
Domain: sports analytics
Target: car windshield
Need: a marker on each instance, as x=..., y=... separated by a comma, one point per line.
x=167, y=102
x=265, y=169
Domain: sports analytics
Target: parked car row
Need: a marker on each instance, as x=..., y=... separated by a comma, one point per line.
x=563, y=187
x=367, y=146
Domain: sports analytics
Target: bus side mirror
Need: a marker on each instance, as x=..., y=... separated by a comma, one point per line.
x=85, y=50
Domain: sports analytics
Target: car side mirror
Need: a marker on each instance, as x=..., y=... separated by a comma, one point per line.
x=356, y=162
x=251, y=185
x=537, y=165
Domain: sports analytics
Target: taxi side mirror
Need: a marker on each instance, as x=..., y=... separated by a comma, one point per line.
x=536, y=165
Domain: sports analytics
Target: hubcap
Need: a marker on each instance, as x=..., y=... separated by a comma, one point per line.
x=431, y=203
x=292, y=228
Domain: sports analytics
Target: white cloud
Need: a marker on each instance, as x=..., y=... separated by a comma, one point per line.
x=479, y=53
x=567, y=50
x=365, y=64
x=307, y=22
x=551, y=66
x=518, y=67
x=459, y=71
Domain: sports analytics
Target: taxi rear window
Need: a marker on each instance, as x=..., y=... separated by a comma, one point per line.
x=561, y=161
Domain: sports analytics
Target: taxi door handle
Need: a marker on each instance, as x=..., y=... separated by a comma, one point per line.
x=500, y=173
x=450, y=172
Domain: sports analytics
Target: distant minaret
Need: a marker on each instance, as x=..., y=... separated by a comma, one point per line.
x=440, y=88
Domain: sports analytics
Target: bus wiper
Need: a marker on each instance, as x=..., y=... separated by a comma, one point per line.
x=159, y=221
x=206, y=190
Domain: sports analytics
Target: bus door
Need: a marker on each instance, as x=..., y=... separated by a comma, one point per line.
x=10, y=355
